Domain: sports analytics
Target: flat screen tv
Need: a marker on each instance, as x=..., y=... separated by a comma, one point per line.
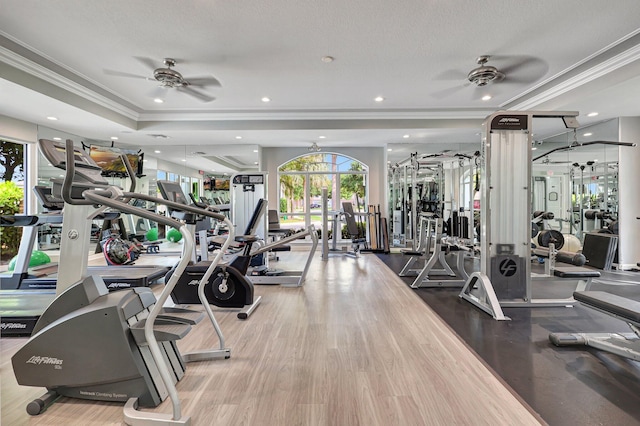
x=109, y=160
x=206, y=184
x=220, y=184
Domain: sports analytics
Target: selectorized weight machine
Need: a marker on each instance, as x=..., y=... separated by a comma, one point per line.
x=505, y=278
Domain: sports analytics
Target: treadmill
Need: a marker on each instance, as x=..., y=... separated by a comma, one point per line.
x=45, y=277
x=20, y=308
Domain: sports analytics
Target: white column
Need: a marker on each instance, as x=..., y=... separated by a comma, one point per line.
x=629, y=194
x=31, y=203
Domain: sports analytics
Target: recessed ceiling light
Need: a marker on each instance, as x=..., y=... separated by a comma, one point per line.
x=238, y=137
x=322, y=137
x=587, y=134
x=183, y=159
x=114, y=138
x=327, y=59
x=389, y=149
x=57, y=139
x=592, y=114
x=486, y=97
x=255, y=150
x=255, y=162
x=157, y=151
x=534, y=148
x=158, y=100
x=378, y=99
x=266, y=99
x=52, y=118
x=406, y=136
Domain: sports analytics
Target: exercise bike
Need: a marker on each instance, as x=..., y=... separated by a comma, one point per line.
x=228, y=286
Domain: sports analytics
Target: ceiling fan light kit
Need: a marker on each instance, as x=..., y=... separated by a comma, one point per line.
x=168, y=77
x=484, y=74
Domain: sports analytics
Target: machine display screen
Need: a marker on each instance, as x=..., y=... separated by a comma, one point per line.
x=172, y=191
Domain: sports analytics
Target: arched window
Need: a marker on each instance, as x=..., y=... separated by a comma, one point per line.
x=300, y=183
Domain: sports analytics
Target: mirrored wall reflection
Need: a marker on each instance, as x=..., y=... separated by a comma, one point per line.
x=149, y=167
x=107, y=155
x=576, y=178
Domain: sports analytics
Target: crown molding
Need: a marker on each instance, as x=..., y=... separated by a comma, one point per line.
x=313, y=114
x=612, y=58
x=38, y=69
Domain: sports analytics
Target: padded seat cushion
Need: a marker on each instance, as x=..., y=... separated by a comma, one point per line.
x=575, y=272
x=627, y=309
x=412, y=252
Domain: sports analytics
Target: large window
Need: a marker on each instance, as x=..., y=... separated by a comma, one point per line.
x=301, y=181
x=12, y=180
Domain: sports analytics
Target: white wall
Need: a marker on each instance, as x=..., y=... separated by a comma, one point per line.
x=628, y=194
x=18, y=130
x=172, y=167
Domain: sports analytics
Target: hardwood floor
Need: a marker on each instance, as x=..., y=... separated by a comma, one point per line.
x=354, y=346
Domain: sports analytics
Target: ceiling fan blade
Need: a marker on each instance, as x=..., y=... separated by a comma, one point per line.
x=450, y=91
x=198, y=95
x=518, y=63
x=204, y=81
x=148, y=62
x=524, y=70
x=126, y=74
x=450, y=75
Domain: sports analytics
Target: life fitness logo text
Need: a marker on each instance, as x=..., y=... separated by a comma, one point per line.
x=39, y=360
x=510, y=122
x=508, y=267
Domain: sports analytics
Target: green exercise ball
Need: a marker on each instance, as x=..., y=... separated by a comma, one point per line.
x=37, y=258
x=174, y=235
x=152, y=234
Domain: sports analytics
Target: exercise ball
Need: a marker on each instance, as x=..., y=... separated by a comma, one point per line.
x=37, y=258
x=174, y=235
x=571, y=243
x=152, y=234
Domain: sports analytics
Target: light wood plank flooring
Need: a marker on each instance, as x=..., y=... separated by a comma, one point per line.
x=354, y=346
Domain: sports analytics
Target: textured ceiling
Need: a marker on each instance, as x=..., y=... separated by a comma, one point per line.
x=89, y=63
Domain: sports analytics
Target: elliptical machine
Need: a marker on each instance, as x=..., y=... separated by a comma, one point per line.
x=118, y=346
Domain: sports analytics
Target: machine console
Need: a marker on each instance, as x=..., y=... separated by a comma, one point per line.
x=86, y=168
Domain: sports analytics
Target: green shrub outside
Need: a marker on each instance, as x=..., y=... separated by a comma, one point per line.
x=11, y=196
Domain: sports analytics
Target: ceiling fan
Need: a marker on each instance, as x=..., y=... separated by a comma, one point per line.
x=169, y=78
x=514, y=70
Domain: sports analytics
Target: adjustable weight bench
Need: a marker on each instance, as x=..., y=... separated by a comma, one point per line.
x=623, y=344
